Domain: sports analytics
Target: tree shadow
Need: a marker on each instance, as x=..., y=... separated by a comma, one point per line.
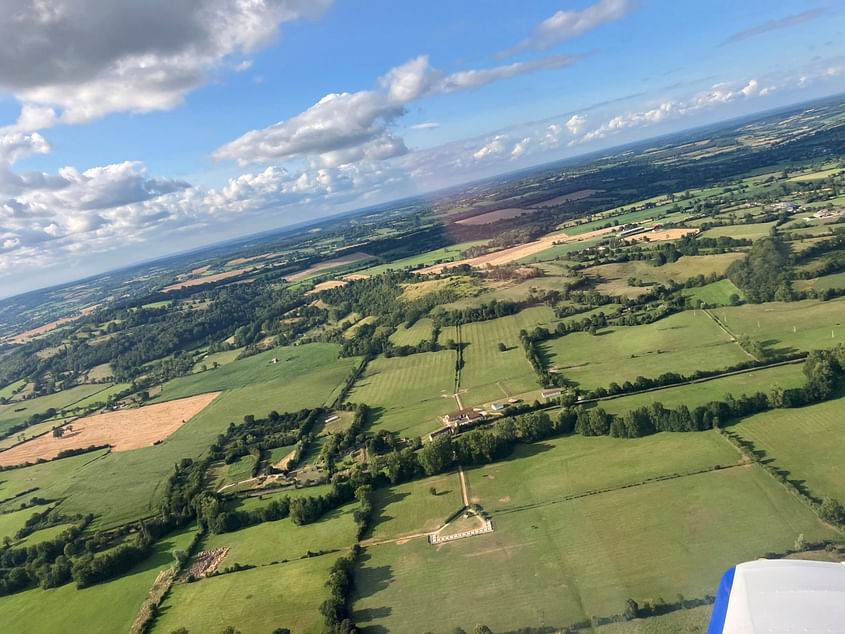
x=385, y=498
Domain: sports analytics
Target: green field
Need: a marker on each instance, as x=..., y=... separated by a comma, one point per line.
x=490, y=374
x=293, y=362
x=221, y=358
x=46, y=478
x=408, y=393
x=410, y=508
x=772, y=324
x=8, y=391
x=809, y=442
x=9, y=417
x=695, y=394
x=107, y=607
x=446, y=254
x=715, y=294
x=11, y=523
x=124, y=486
x=558, y=563
x=254, y=601
x=239, y=470
x=560, y=250
x=751, y=232
x=682, y=343
x=103, y=395
x=273, y=542
x=412, y=336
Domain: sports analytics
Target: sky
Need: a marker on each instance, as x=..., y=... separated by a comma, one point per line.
x=133, y=130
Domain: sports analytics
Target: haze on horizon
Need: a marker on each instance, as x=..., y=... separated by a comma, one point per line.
x=140, y=131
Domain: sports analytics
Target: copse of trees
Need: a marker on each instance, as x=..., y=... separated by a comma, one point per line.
x=764, y=274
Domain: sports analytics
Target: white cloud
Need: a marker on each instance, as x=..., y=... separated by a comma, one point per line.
x=88, y=58
x=348, y=127
x=566, y=24
x=576, y=124
x=493, y=147
x=425, y=126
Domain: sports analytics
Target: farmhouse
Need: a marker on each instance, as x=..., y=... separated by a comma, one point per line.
x=551, y=393
x=465, y=415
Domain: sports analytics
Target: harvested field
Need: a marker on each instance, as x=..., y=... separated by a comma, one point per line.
x=323, y=286
x=494, y=216
x=516, y=253
x=356, y=276
x=124, y=430
x=240, y=261
x=204, y=280
x=660, y=236
x=358, y=256
x=559, y=200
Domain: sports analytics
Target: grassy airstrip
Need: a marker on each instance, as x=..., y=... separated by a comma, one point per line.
x=682, y=343
x=408, y=392
x=577, y=550
x=107, y=607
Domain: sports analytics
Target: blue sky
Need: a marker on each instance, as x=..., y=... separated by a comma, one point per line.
x=133, y=130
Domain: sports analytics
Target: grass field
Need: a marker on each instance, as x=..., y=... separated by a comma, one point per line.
x=682, y=343
x=11, y=523
x=9, y=417
x=46, y=478
x=490, y=374
x=715, y=294
x=254, y=601
x=560, y=563
x=124, y=486
x=103, y=395
x=695, y=394
x=412, y=336
x=221, y=358
x=408, y=393
x=107, y=607
x=446, y=254
x=812, y=320
x=293, y=362
x=7, y=392
x=410, y=508
x=239, y=470
x=752, y=231
x=273, y=542
x=809, y=442
x=41, y=536
x=613, y=278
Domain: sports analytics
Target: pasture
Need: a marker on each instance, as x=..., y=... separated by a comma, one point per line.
x=446, y=254
x=410, y=508
x=751, y=231
x=11, y=523
x=9, y=417
x=405, y=336
x=256, y=600
x=715, y=294
x=408, y=393
x=694, y=394
x=563, y=562
x=682, y=343
x=273, y=542
x=785, y=327
x=809, y=442
x=106, y=607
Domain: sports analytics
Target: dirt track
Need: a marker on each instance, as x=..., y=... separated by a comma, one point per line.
x=123, y=430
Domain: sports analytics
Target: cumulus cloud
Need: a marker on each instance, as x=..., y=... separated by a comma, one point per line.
x=566, y=24
x=347, y=127
x=781, y=23
x=92, y=57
